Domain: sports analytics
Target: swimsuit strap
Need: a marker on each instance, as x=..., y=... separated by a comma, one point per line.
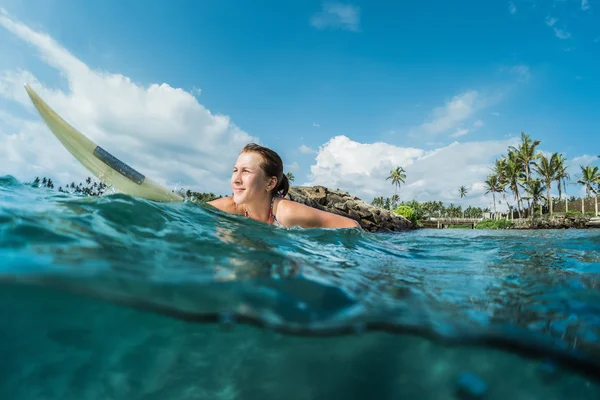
x=271, y=215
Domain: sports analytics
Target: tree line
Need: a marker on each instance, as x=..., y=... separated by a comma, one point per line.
x=92, y=188
x=525, y=172
x=529, y=174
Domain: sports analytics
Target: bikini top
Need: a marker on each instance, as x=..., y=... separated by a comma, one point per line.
x=272, y=219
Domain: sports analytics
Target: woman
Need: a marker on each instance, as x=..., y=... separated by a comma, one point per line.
x=259, y=185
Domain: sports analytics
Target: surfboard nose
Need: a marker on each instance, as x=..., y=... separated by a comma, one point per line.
x=29, y=91
x=37, y=100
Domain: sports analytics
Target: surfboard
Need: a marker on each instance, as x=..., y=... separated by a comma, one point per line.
x=103, y=165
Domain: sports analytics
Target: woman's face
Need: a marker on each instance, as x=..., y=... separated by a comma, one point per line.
x=248, y=180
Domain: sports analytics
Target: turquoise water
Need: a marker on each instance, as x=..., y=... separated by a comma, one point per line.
x=120, y=298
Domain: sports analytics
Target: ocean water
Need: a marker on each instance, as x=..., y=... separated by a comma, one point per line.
x=114, y=297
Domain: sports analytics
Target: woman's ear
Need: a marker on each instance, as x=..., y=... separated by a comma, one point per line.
x=272, y=183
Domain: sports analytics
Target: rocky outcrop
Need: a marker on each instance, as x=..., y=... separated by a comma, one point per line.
x=553, y=222
x=371, y=218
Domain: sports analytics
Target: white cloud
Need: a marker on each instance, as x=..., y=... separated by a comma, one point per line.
x=495, y=113
x=316, y=125
x=362, y=169
x=584, y=159
x=160, y=130
x=551, y=21
x=292, y=167
x=196, y=91
x=545, y=153
x=306, y=150
x=453, y=113
x=560, y=33
x=459, y=133
x=511, y=7
x=434, y=143
x=463, y=131
x=585, y=5
x=337, y=15
x=522, y=72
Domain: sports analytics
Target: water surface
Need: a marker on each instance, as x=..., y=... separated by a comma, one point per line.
x=116, y=297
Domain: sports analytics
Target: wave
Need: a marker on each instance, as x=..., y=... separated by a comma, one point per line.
x=531, y=293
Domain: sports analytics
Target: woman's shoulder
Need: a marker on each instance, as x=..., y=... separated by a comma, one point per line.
x=284, y=211
x=291, y=213
x=225, y=204
x=283, y=206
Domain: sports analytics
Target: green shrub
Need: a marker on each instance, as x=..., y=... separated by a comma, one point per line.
x=419, y=212
x=577, y=213
x=407, y=212
x=494, y=224
x=573, y=213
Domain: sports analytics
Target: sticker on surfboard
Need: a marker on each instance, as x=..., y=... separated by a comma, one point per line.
x=118, y=165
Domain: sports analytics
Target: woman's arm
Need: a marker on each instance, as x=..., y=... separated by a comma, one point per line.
x=290, y=213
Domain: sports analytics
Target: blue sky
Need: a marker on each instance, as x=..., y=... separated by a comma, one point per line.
x=343, y=90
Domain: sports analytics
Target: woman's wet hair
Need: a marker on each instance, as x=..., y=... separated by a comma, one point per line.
x=272, y=165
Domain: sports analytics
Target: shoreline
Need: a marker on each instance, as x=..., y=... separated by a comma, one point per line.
x=556, y=221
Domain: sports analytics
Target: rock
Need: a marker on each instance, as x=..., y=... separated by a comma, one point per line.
x=370, y=218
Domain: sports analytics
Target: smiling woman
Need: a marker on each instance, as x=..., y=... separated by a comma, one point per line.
x=259, y=187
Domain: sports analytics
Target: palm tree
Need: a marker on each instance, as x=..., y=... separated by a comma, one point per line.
x=429, y=208
x=547, y=168
x=499, y=169
x=493, y=186
x=589, y=177
x=535, y=190
x=513, y=173
x=378, y=201
x=462, y=191
x=440, y=208
x=387, y=204
x=452, y=210
x=526, y=153
x=561, y=174
x=290, y=176
x=397, y=176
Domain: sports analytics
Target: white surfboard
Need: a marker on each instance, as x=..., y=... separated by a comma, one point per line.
x=110, y=170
